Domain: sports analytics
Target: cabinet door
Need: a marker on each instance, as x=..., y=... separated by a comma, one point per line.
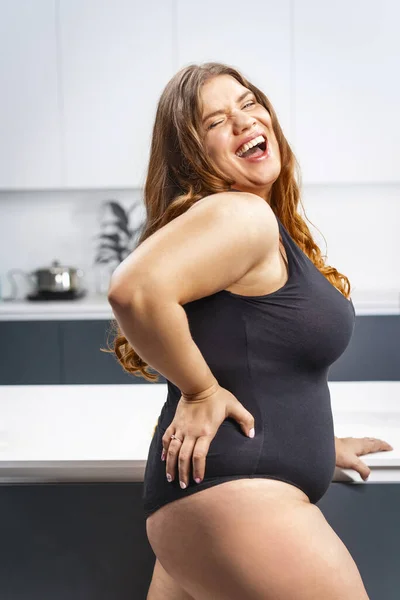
x=255, y=39
x=30, y=353
x=30, y=138
x=373, y=352
x=116, y=59
x=83, y=360
x=347, y=95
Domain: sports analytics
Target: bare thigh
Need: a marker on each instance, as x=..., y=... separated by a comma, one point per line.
x=258, y=539
x=164, y=587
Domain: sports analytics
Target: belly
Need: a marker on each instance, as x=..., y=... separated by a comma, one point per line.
x=294, y=443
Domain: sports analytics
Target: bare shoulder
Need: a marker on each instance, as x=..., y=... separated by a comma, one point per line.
x=250, y=204
x=208, y=248
x=243, y=208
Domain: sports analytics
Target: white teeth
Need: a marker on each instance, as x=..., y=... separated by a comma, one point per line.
x=250, y=144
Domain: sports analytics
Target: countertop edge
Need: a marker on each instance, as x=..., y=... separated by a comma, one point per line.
x=97, y=307
x=133, y=471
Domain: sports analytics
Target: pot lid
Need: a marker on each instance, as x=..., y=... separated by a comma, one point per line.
x=56, y=267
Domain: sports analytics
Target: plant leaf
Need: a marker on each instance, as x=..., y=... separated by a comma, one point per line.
x=116, y=248
x=112, y=237
x=118, y=211
x=102, y=260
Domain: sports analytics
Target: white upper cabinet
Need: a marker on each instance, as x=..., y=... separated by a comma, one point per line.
x=254, y=38
x=116, y=57
x=347, y=90
x=30, y=137
x=81, y=79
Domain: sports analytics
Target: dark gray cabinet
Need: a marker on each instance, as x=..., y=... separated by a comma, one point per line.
x=59, y=352
x=87, y=541
x=83, y=360
x=30, y=353
x=373, y=353
x=69, y=352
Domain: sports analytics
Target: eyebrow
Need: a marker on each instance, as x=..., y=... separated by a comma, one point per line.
x=217, y=112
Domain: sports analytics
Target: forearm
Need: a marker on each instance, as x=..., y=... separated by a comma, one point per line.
x=158, y=330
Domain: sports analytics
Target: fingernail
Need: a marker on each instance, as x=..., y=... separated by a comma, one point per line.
x=163, y=454
x=169, y=477
x=182, y=484
x=197, y=479
x=252, y=432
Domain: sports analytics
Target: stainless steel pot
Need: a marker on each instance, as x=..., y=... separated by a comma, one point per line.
x=55, y=279
x=58, y=278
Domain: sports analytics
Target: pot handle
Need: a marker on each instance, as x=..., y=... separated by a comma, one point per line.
x=14, y=288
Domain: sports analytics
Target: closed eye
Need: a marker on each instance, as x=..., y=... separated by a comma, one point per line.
x=217, y=123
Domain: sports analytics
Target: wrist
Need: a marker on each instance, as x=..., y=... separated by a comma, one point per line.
x=205, y=393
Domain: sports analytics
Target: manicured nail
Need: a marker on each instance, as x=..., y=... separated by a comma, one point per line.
x=182, y=484
x=252, y=432
x=163, y=454
x=169, y=477
x=197, y=479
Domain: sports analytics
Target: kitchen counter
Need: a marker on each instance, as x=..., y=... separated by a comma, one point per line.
x=102, y=432
x=366, y=302
x=90, y=307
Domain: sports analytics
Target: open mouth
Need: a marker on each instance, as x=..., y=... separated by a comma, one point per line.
x=255, y=151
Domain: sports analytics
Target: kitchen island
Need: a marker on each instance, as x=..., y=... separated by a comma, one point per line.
x=72, y=459
x=102, y=432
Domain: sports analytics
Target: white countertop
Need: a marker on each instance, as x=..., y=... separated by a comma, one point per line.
x=89, y=307
x=102, y=432
x=366, y=302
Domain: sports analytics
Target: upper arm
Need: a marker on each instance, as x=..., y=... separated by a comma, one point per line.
x=200, y=252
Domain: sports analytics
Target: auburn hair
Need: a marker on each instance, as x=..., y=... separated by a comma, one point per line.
x=180, y=172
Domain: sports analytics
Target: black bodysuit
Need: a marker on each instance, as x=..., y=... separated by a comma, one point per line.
x=273, y=352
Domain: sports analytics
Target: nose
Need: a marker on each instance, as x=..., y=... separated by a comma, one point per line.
x=241, y=122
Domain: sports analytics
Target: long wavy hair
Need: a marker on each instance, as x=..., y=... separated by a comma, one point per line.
x=180, y=172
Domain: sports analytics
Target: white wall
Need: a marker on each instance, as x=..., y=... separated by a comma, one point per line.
x=359, y=222
x=39, y=227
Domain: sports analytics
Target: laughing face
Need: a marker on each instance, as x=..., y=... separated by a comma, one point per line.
x=238, y=135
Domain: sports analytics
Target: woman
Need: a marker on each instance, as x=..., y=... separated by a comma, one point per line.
x=228, y=296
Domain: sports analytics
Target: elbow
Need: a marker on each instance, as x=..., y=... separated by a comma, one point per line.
x=119, y=292
x=119, y=296
x=115, y=298
x=124, y=295
x=115, y=291
x=123, y=285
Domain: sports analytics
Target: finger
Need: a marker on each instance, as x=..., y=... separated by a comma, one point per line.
x=378, y=444
x=171, y=455
x=165, y=440
x=361, y=467
x=184, y=461
x=200, y=452
x=172, y=459
x=245, y=419
x=384, y=445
